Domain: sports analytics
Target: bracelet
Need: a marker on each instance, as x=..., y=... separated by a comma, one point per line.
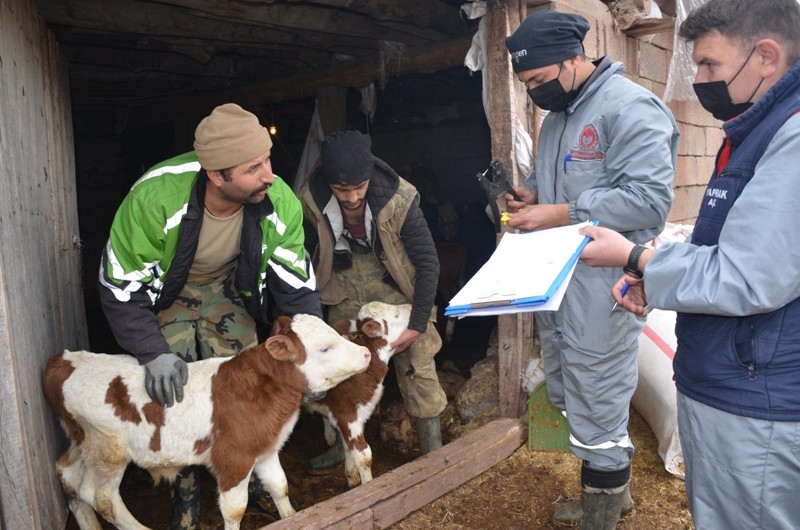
x=632, y=267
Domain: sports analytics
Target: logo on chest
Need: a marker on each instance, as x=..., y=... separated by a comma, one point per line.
x=588, y=145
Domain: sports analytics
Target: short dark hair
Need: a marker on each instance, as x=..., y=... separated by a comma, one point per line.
x=226, y=174
x=747, y=21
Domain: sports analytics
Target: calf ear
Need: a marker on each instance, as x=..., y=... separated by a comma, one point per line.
x=281, y=324
x=372, y=328
x=343, y=327
x=281, y=347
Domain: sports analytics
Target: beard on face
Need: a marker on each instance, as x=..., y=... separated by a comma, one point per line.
x=260, y=190
x=240, y=196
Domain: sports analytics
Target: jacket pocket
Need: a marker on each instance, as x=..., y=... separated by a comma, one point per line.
x=582, y=175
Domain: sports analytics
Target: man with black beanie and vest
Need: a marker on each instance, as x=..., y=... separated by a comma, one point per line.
x=607, y=152
x=369, y=241
x=196, y=249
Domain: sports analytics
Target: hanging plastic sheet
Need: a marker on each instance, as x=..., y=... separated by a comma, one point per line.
x=310, y=157
x=681, y=67
x=476, y=60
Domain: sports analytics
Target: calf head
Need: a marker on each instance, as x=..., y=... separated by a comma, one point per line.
x=319, y=351
x=393, y=319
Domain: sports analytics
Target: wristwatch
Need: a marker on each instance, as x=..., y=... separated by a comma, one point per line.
x=632, y=267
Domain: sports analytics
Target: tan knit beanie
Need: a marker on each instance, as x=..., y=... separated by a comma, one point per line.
x=230, y=136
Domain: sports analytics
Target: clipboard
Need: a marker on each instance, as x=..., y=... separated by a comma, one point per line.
x=526, y=272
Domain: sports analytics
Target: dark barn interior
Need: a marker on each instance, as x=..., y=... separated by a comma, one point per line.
x=144, y=73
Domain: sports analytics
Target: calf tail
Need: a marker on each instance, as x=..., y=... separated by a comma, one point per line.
x=56, y=372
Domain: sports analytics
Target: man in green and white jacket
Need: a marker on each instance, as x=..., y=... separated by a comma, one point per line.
x=197, y=248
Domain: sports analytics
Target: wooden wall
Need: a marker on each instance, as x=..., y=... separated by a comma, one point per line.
x=41, y=308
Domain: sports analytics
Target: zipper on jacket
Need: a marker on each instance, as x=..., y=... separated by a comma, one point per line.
x=751, y=368
x=744, y=347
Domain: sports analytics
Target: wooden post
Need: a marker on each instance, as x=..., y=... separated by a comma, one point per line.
x=507, y=103
x=332, y=101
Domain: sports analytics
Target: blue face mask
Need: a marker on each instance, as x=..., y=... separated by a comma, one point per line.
x=715, y=98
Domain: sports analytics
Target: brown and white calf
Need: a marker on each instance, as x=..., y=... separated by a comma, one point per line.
x=349, y=405
x=235, y=416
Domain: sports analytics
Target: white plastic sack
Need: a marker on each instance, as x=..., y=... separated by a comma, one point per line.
x=523, y=147
x=533, y=375
x=655, y=397
x=673, y=233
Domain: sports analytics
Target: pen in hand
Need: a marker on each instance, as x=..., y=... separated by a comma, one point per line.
x=624, y=291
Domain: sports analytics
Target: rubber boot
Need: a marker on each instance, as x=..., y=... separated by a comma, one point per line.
x=572, y=512
x=185, y=499
x=601, y=507
x=430, y=434
x=328, y=460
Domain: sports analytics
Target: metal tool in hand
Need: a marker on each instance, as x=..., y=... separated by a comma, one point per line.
x=495, y=186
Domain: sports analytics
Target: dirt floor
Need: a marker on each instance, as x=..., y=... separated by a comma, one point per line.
x=518, y=493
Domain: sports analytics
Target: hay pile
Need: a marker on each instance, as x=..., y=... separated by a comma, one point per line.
x=519, y=493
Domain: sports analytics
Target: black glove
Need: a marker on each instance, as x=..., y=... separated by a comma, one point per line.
x=162, y=374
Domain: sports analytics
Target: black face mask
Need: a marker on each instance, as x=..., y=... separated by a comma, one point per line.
x=552, y=96
x=715, y=98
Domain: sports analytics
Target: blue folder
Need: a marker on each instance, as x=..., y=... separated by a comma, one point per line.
x=525, y=301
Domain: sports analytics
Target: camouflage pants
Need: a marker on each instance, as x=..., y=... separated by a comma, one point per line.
x=415, y=367
x=207, y=320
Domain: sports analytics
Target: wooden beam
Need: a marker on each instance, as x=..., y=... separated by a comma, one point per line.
x=665, y=25
x=392, y=496
x=357, y=73
x=515, y=332
x=422, y=13
x=235, y=22
x=332, y=107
